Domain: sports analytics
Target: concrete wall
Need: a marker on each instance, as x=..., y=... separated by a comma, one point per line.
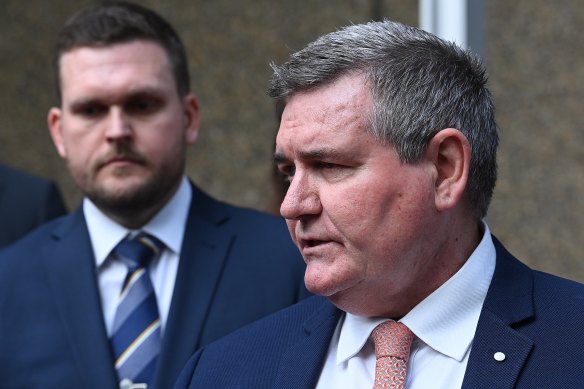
x=534, y=56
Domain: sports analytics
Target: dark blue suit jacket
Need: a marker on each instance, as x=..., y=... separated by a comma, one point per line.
x=25, y=202
x=236, y=266
x=534, y=318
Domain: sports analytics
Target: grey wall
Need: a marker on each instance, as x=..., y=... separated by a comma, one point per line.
x=534, y=56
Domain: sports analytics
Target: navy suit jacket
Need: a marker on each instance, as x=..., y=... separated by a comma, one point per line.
x=534, y=318
x=25, y=202
x=236, y=266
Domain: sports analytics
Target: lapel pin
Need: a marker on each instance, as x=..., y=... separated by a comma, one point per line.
x=499, y=356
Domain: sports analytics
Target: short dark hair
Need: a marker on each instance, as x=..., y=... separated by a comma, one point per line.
x=420, y=85
x=113, y=22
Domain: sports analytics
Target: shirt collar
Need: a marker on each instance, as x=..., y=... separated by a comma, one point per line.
x=168, y=224
x=355, y=331
x=446, y=320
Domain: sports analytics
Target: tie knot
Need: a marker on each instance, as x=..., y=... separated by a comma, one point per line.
x=392, y=339
x=137, y=252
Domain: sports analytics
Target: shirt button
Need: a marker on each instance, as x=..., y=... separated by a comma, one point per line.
x=499, y=356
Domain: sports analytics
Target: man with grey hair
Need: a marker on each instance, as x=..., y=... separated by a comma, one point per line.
x=388, y=141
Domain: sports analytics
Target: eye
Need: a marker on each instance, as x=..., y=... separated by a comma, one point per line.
x=91, y=110
x=334, y=171
x=141, y=106
x=328, y=165
x=287, y=172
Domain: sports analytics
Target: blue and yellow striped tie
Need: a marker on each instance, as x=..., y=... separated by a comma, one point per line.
x=136, y=330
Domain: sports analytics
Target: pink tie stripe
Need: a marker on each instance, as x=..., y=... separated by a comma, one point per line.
x=392, y=349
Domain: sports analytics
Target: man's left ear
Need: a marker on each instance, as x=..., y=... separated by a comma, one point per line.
x=192, y=117
x=449, y=152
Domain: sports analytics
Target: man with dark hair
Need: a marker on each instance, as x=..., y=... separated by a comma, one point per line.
x=388, y=140
x=26, y=201
x=149, y=268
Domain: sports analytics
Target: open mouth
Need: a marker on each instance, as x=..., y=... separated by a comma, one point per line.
x=315, y=243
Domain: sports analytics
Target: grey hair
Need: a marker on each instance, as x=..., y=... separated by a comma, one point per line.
x=420, y=85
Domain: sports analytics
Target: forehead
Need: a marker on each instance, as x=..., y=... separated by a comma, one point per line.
x=134, y=62
x=328, y=117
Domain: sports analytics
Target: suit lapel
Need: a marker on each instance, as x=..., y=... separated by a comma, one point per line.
x=302, y=363
x=206, y=245
x=70, y=267
x=509, y=301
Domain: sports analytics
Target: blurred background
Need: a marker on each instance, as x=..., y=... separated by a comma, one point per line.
x=533, y=49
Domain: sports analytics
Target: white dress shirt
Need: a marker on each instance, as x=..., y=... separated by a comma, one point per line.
x=444, y=324
x=168, y=225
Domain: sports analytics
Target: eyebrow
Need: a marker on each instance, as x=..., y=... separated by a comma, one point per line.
x=280, y=158
x=309, y=155
x=147, y=91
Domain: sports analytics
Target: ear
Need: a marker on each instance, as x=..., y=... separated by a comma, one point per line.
x=449, y=152
x=54, y=121
x=192, y=118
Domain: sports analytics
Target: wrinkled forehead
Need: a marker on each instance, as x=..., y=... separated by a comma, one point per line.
x=334, y=114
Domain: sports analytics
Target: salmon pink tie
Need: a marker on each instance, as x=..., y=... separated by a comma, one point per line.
x=392, y=349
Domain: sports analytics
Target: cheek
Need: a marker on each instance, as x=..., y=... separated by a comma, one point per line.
x=378, y=218
x=164, y=140
x=359, y=210
x=81, y=141
x=78, y=149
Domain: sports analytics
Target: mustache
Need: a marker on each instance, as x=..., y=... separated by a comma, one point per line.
x=121, y=151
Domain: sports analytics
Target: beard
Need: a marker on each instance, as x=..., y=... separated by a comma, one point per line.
x=134, y=196
x=150, y=195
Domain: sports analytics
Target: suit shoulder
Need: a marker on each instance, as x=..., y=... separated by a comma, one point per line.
x=28, y=201
x=247, y=214
x=287, y=324
x=14, y=176
x=33, y=241
x=555, y=281
x=214, y=209
x=252, y=356
x=558, y=291
x=21, y=259
x=244, y=220
x=550, y=293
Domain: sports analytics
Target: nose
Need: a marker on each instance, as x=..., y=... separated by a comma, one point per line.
x=118, y=125
x=301, y=200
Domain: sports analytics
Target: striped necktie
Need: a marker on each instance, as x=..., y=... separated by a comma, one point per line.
x=136, y=330
x=392, y=341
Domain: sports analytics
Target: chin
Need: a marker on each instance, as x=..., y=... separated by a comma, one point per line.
x=318, y=284
x=346, y=293
x=332, y=276
x=325, y=286
x=119, y=196
x=124, y=198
